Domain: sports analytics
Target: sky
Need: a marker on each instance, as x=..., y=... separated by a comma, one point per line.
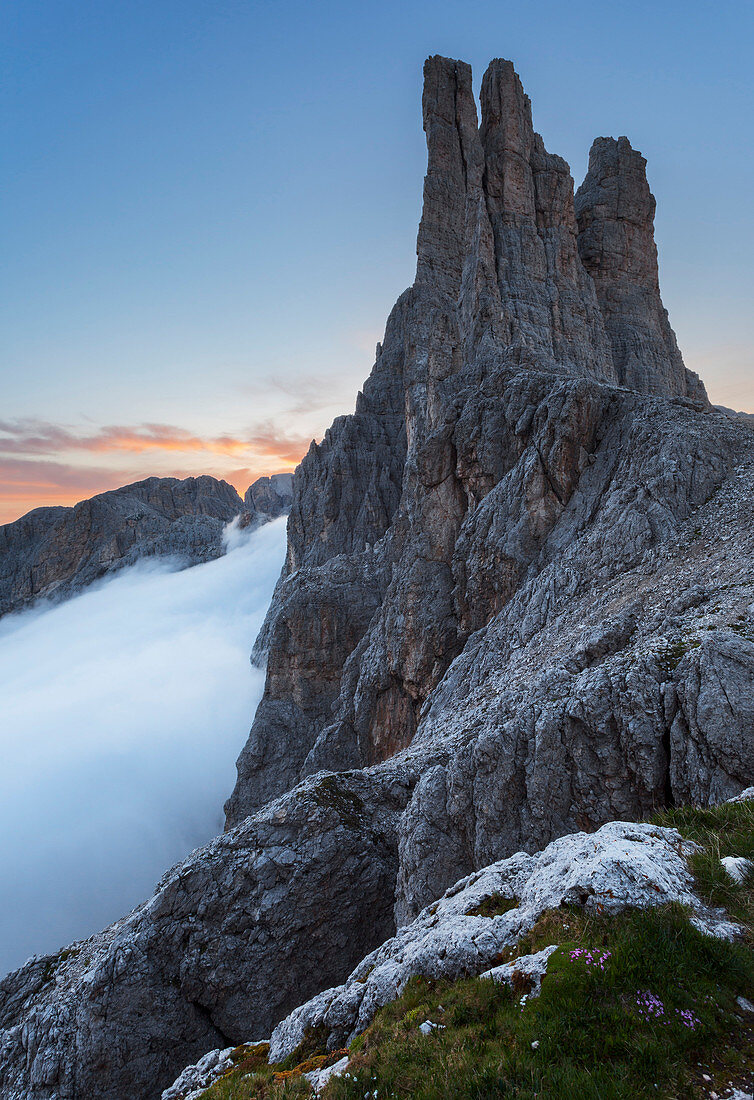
x=211, y=205
x=124, y=709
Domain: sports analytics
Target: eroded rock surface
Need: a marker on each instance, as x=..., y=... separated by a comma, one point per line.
x=506, y=441
x=232, y=939
x=615, y=211
x=620, y=866
x=270, y=496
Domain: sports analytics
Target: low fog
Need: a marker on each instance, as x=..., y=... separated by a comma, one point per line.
x=122, y=712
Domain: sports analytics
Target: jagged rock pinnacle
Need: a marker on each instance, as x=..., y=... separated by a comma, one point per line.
x=615, y=210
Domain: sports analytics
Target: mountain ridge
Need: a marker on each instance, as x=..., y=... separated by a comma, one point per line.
x=52, y=553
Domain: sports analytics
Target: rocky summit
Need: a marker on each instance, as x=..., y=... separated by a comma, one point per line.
x=517, y=604
x=52, y=553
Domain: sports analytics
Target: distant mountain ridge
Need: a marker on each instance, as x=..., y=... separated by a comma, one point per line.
x=735, y=412
x=55, y=552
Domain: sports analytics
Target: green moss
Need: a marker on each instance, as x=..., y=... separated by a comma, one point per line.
x=314, y=1042
x=249, y=1057
x=357, y=1044
x=253, y=1078
x=670, y=657
x=493, y=906
x=330, y=794
x=53, y=962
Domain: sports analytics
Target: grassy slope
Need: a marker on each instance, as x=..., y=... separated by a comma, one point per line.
x=646, y=1014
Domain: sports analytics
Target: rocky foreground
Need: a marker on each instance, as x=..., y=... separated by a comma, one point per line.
x=517, y=604
x=52, y=553
x=481, y=920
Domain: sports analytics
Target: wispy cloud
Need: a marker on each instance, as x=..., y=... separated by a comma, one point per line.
x=19, y=477
x=29, y=483
x=38, y=437
x=42, y=463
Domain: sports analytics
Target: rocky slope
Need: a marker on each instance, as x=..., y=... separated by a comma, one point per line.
x=517, y=603
x=620, y=865
x=54, y=552
x=486, y=916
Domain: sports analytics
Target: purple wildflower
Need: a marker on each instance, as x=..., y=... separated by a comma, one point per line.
x=650, y=1007
x=591, y=958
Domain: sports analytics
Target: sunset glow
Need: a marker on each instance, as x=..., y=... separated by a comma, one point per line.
x=29, y=479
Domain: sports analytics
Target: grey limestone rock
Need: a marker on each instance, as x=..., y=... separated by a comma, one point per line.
x=501, y=420
x=615, y=211
x=621, y=865
x=230, y=942
x=271, y=496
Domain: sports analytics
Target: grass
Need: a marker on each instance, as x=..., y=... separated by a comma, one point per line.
x=633, y=1006
x=670, y=658
x=725, y=830
x=493, y=906
x=53, y=962
x=608, y=1022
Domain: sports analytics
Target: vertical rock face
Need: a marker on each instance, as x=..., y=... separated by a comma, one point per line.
x=550, y=314
x=504, y=302
x=615, y=211
x=270, y=496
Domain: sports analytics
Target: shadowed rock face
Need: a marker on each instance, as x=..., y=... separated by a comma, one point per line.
x=113, y=1016
x=516, y=604
x=615, y=211
x=270, y=496
x=54, y=552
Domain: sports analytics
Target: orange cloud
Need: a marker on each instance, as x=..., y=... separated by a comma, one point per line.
x=29, y=437
x=29, y=480
x=26, y=484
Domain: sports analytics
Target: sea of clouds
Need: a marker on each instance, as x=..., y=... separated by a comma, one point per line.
x=122, y=712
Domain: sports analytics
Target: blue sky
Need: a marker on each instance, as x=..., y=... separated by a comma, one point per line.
x=211, y=206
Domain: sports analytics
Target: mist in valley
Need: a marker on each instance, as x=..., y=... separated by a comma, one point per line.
x=122, y=712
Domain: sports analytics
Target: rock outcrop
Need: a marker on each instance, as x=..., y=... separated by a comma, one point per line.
x=270, y=496
x=51, y=553
x=516, y=604
x=615, y=211
x=232, y=939
x=620, y=866
x=499, y=374
x=482, y=917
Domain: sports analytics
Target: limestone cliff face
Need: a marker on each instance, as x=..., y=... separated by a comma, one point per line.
x=516, y=604
x=270, y=496
x=489, y=398
x=615, y=211
x=51, y=553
